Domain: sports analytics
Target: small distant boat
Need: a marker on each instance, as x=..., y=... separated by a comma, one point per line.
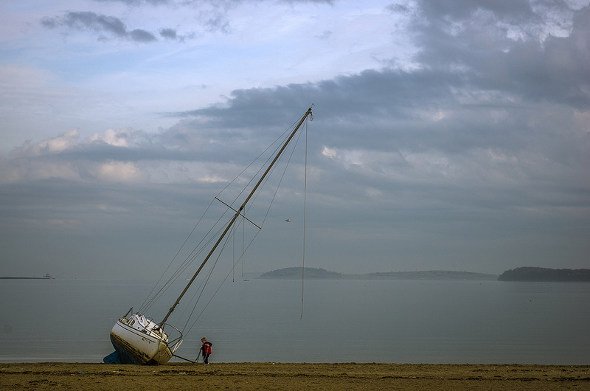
x=138, y=339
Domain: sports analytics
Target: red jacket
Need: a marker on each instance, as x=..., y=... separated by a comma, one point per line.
x=206, y=348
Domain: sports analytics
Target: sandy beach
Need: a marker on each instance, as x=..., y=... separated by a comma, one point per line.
x=271, y=376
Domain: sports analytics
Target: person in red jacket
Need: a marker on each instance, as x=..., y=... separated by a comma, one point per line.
x=206, y=349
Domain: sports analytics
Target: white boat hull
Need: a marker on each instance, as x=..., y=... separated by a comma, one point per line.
x=138, y=340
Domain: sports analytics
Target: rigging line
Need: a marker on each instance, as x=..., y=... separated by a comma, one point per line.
x=281, y=179
x=207, y=281
x=233, y=259
x=243, y=241
x=273, y=197
x=175, y=256
x=281, y=137
x=265, y=181
x=225, y=279
x=145, y=305
x=191, y=257
x=249, y=244
x=304, y=224
x=236, y=215
x=186, y=263
x=197, y=250
x=182, y=267
x=206, y=305
x=260, y=169
x=218, y=289
x=187, y=260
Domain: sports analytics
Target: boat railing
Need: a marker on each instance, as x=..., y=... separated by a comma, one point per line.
x=174, y=343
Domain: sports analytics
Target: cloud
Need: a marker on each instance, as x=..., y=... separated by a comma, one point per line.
x=87, y=20
x=52, y=145
x=139, y=35
x=512, y=10
x=118, y=172
x=218, y=22
x=214, y=16
x=169, y=33
x=112, y=137
x=172, y=34
x=494, y=53
x=177, y=155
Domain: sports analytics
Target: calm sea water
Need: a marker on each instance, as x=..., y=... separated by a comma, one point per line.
x=343, y=321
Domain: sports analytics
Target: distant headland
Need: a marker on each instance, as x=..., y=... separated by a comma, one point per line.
x=291, y=273
x=545, y=274
x=45, y=277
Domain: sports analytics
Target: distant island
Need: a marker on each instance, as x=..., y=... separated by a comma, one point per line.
x=545, y=274
x=291, y=273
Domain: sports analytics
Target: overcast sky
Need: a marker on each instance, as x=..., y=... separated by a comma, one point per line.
x=447, y=134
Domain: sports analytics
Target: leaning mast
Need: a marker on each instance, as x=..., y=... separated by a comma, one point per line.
x=237, y=213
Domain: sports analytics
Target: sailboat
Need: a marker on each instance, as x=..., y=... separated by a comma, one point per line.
x=138, y=339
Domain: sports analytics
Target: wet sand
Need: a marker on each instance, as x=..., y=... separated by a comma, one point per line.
x=269, y=376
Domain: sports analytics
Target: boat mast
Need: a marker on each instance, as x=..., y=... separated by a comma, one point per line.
x=236, y=214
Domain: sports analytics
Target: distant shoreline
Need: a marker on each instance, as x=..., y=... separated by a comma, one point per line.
x=27, y=278
x=291, y=273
